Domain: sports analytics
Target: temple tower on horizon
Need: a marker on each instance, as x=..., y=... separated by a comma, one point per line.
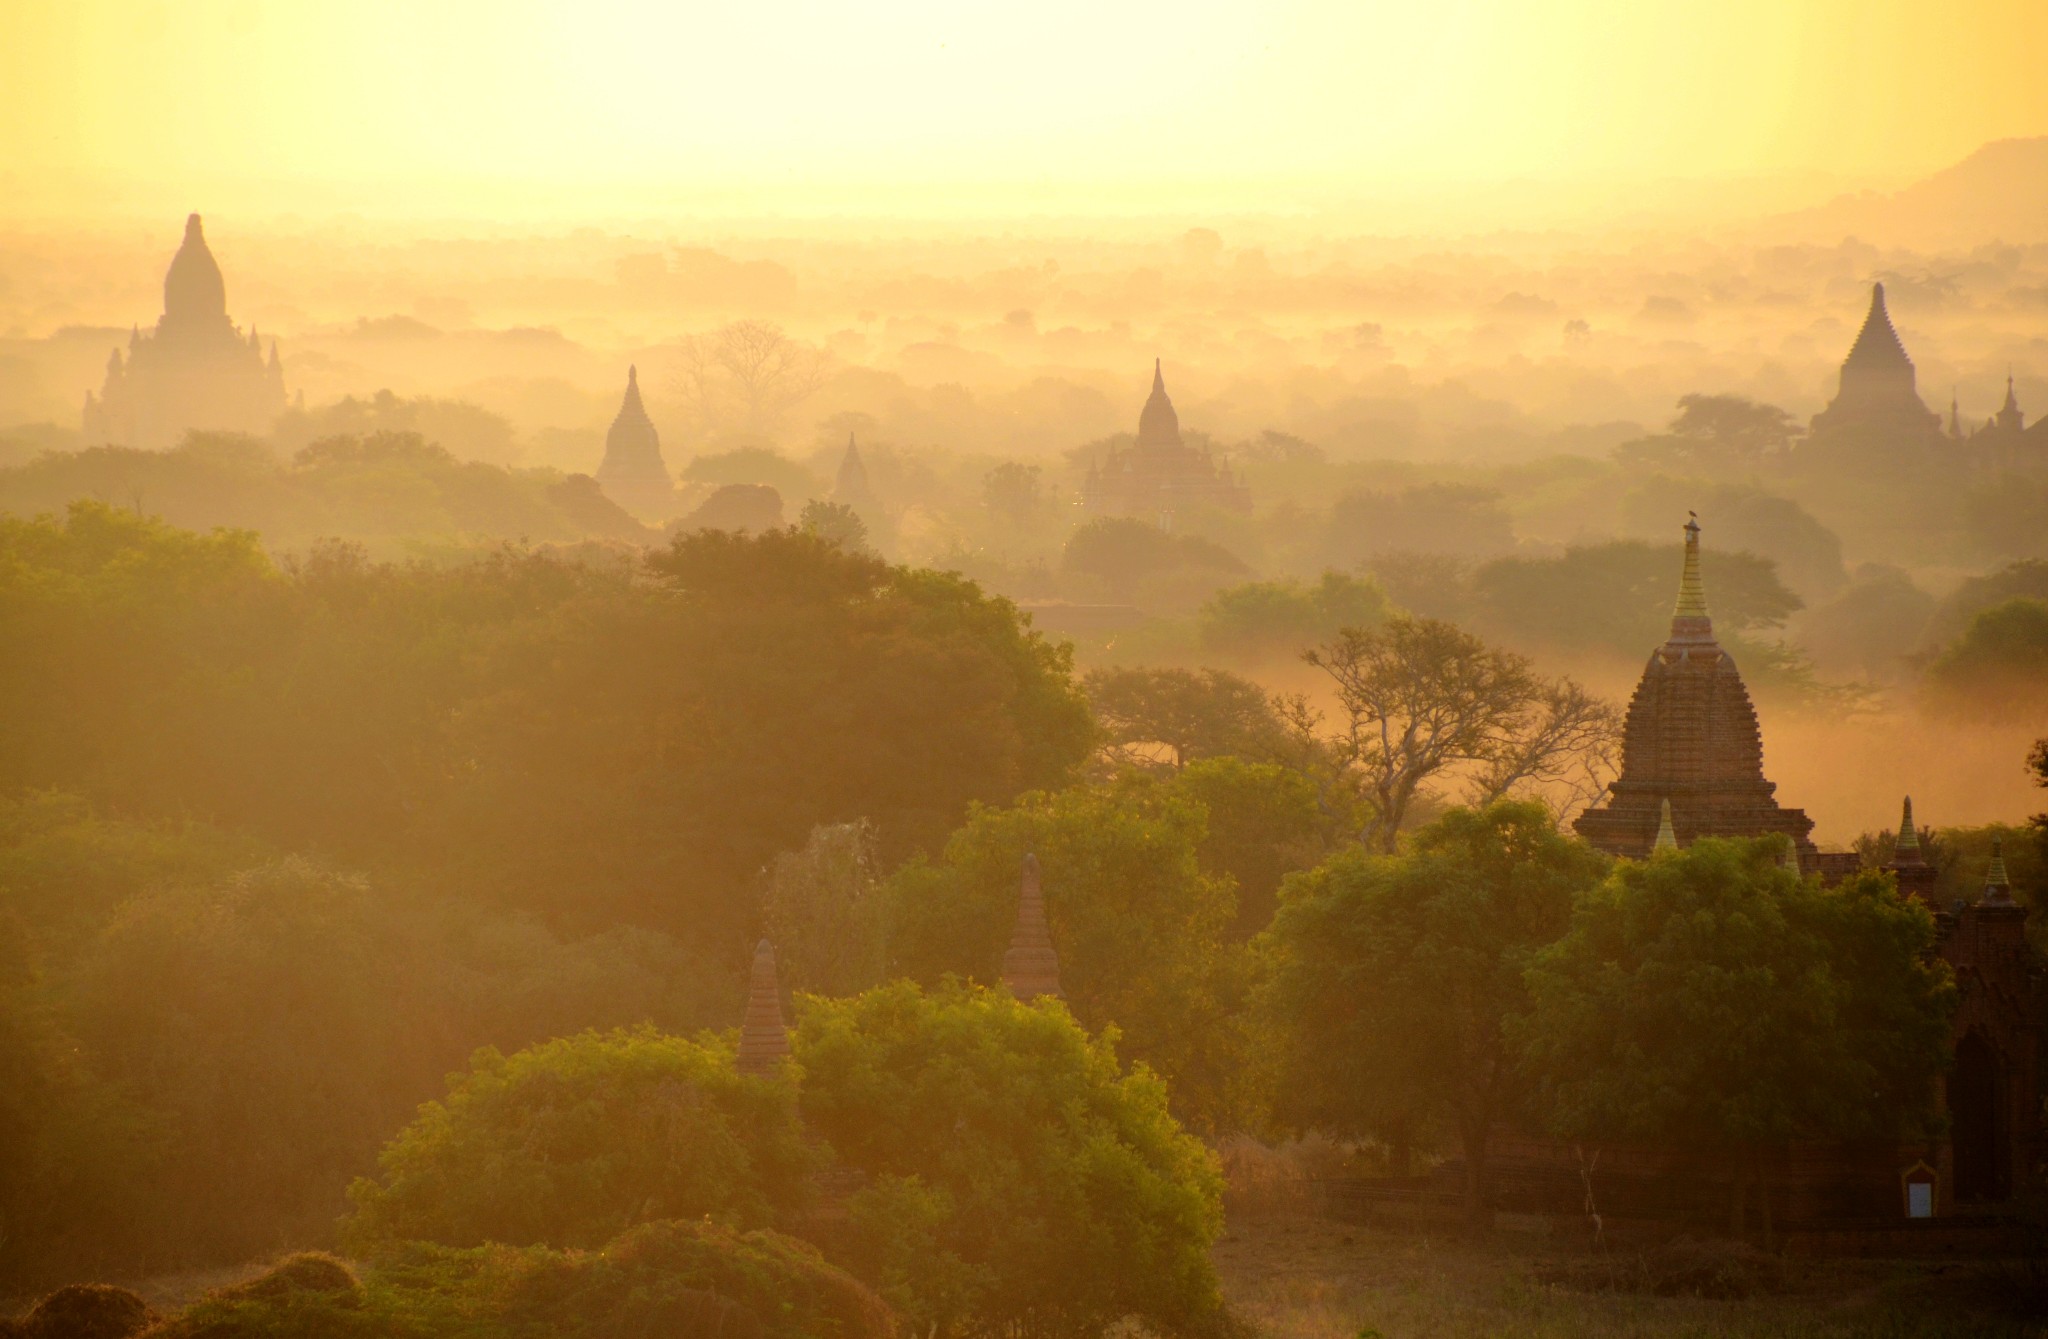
x=633, y=473
x=1159, y=474
x=196, y=369
x=1691, y=740
x=1877, y=391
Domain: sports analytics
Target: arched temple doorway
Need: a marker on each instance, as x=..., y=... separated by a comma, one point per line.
x=1976, y=1124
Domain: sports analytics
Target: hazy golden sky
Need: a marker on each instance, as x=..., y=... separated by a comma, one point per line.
x=396, y=104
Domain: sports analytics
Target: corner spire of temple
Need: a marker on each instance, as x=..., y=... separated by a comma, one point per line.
x=1690, y=624
x=1997, y=884
x=1030, y=966
x=764, y=1039
x=1907, y=847
x=1667, y=836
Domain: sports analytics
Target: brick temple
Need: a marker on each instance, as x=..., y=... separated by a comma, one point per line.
x=1692, y=767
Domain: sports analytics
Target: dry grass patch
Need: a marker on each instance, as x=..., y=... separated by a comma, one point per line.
x=1301, y=1277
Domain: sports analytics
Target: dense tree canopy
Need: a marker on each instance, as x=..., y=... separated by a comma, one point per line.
x=1018, y=1181
x=1714, y=999
x=574, y=1141
x=583, y=738
x=1144, y=933
x=1391, y=979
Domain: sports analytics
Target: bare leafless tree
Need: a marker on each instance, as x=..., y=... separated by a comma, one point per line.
x=1420, y=700
x=747, y=374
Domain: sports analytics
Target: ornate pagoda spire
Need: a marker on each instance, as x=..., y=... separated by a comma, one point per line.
x=1878, y=344
x=1997, y=885
x=1667, y=836
x=1030, y=967
x=1690, y=625
x=764, y=1039
x=1158, y=424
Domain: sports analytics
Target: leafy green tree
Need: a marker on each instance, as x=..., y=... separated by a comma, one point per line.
x=1712, y=999
x=1129, y=559
x=823, y=911
x=2000, y=660
x=1265, y=821
x=574, y=1141
x=1617, y=596
x=1453, y=519
x=835, y=522
x=1392, y=979
x=1012, y=491
x=655, y=753
x=1284, y=618
x=1143, y=933
x=1018, y=1182
x=1175, y=716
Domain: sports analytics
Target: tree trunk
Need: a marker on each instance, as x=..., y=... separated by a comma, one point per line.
x=1478, y=1184
x=1738, y=1196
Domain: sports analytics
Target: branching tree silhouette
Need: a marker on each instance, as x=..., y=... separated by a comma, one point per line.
x=1419, y=698
x=747, y=374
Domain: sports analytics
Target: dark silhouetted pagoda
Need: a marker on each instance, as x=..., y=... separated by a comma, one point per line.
x=1877, y=391
x=195, y=370
x=1159, y=474
x=633, y=473
x=1691, y=738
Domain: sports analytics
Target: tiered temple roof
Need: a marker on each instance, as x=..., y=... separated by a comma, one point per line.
x=1160, y=474
x=1691, y=739
x=1877, y=390
x=194, y=370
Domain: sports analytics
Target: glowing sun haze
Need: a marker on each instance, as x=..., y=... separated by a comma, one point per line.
x=389, y=106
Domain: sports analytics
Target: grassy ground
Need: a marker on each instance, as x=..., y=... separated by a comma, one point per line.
x=1300, y=1277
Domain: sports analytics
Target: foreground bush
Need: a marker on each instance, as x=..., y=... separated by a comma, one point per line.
x=664, y=1280
x=1018, y=1183
x=82, y=1311
x=571, y=1142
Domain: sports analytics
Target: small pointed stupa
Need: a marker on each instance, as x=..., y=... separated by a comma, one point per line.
x=633, y=473
x=1030, y=967
x=1667, y=836
x=1691, y=739
x=1876, y=390
x=1915, y=874
x=851, y=486
x=1997, y=884
x=764, y=1039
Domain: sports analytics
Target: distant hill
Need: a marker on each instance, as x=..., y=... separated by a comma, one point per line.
x=1999, y=193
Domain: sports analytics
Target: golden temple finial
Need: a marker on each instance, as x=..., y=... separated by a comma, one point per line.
x=1689, y=621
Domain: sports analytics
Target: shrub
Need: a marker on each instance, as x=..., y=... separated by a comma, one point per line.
x=1018, y=1181
x=306, y=1296
x=83, y=1311
x=658, y=1280
x=571, y=1142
